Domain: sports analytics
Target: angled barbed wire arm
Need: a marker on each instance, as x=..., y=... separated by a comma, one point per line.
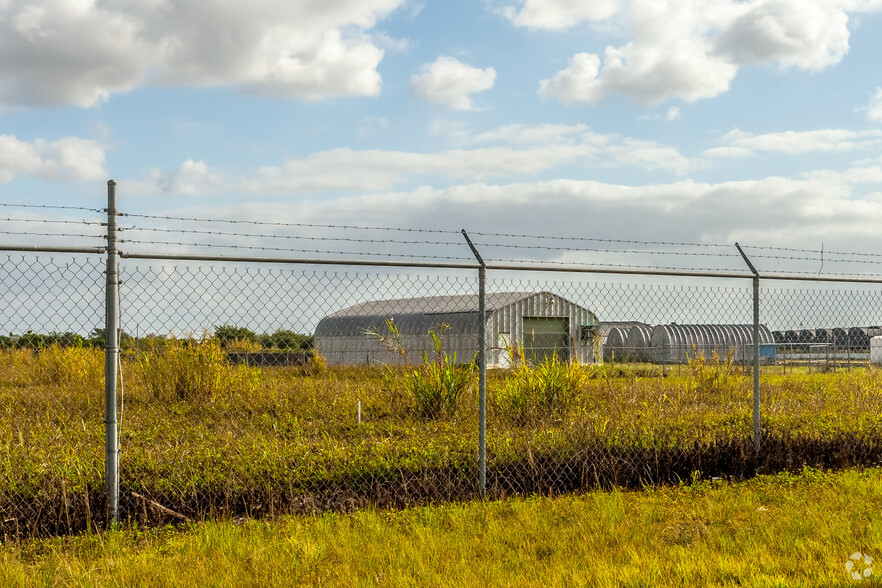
x=757, y=421
x=482, y=367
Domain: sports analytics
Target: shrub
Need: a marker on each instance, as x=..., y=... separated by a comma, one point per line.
x=536, y=392
x=437, y=385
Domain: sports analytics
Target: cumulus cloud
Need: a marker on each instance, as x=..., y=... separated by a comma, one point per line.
x=450, y=83
x=561, y=14
x=739, y=143
x=65, y=160
x=692, y=49
x=61, y=52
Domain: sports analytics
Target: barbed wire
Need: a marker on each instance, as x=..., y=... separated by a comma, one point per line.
x=614, y=266
x=32, y=234
x=764, y=252
x=615, y=251
x=282, y=249
x=281, y=224
x=602, y=240
x=53, y=207
x=819, y=251
x=825, y=259
x=588, y=266
x=51, y=221
x=291, y=237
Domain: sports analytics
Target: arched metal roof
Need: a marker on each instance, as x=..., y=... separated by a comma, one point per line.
x=675, y=342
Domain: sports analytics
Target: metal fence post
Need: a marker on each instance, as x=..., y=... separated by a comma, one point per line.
x=757, y=422
x=111, y=358
x=482, y=368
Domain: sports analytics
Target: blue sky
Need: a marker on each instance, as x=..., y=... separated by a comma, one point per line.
x=707, y=121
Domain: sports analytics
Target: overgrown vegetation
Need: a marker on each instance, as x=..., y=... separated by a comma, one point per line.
x=192, y=369
x=438, y=384
x=536, y=392
x=203, y=438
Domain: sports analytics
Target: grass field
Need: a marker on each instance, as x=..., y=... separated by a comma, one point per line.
x=208, y=440
x=781, y=530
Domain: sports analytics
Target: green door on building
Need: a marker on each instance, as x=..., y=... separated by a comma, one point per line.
x=545, y=337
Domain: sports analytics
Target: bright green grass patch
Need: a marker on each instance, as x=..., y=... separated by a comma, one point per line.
x=782, y=530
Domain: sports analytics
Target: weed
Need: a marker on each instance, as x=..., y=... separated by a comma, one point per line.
x=192, y=369
x=536, y=392
x=712, y=376
x=437, y=384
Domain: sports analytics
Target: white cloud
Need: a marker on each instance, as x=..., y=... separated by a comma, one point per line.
x=65, y=160
x=740, y=144
x=373, y=170
x=511, y=150
x=561, y=14
x=190, y=178
x=449, y=82
x=62, y=52
x=673, y=113
x=692, y=49
x=518, y=134
x=874, y=108
x=652, y=156
x=794, y=212
x=805, y=34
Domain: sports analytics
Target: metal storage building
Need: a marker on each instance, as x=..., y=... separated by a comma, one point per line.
x=614, y=344
x=614, y=338
x=676, y=343
x=639, y=341
x=541, y=323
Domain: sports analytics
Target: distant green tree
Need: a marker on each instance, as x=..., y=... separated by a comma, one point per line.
x=286, y=340
x=97, y=338
x=227, y=334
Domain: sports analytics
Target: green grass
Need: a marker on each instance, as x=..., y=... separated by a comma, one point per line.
x=261, y=443
x=782, y=530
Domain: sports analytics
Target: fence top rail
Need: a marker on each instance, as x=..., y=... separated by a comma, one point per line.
x=53, y=249
x=501, y=267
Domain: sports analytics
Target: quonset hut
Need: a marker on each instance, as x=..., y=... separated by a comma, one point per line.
x=677, y=343
x=639, y=341
x=540, y=323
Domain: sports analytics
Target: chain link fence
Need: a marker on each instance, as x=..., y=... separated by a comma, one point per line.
x=256, y=389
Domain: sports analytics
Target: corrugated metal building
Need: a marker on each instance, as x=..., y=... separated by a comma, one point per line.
x=620, y=343
x=677, y=343
x=542, y=323
x=638, y=343
x=614, y=344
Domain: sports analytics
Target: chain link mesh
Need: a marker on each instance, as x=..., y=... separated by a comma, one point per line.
x=254, y=390
x=51, y=391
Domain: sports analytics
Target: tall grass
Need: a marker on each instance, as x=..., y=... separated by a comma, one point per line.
x=436, y=386
x=783, y=530
x=192, y=369
x=535, y=393
x=208, y=439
